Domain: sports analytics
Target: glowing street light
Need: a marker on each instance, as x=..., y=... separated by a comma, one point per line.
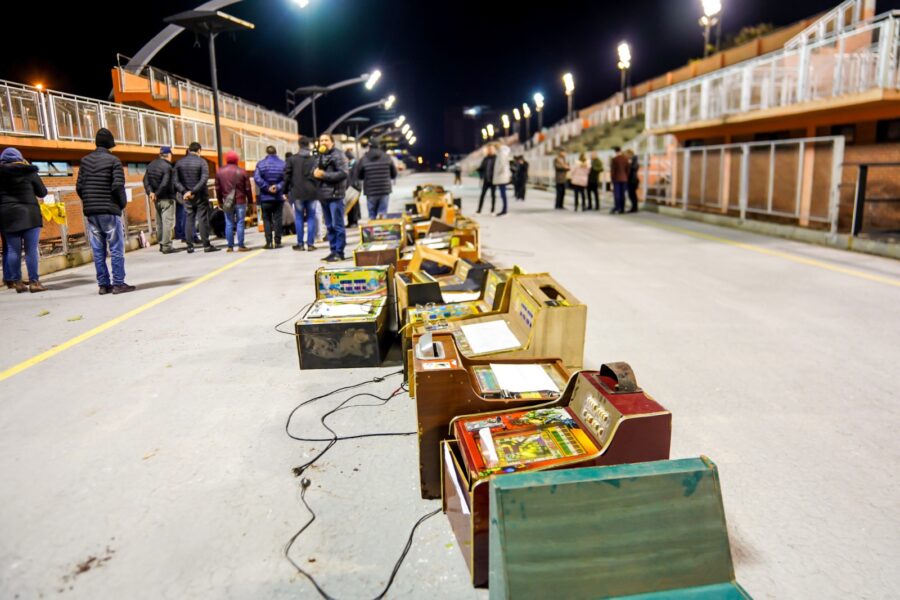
x=505, y=120
x=517, y=115
x=405, y=128
x=490, y=130
x=301, y=3
x=624, y=64
x=484, y=134
x=539, y=107
x=526, y=114
x=712, y=16
x=390, y=102
x=373, y=79
x=409, y=134
x=569, y=83
x=400, y=121
x=412, y=141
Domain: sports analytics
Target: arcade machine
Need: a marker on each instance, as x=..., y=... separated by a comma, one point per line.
x=494, y=298
x=603, y=418
x=543, y=319
x=381, y=241
x=446, y=385
x=349, y=323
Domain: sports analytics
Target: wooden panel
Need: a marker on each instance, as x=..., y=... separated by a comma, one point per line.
x=608, y=531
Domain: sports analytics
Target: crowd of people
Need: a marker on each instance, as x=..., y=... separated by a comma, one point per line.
x=584, y=180
x=314, y=181
x=498, y=170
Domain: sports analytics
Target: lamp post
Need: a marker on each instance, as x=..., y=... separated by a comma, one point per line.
x=210, y=23
x=504, y=119
x=387, y=103
x=624, y=65
x=484, y=134
x=539, y=107
x=712, y=15
x=569, y=83
x=314, y=92
x=371, y=128
x=518, y=125
x=490, y=130
x=526, y=113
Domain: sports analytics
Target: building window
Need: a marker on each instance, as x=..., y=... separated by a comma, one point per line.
x=53, y=169
x=888, y=131
x=848, y=131
x=137, y=168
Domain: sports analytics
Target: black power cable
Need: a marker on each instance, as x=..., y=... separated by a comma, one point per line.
x=334, y=439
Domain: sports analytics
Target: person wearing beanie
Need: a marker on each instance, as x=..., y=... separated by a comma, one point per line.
x=191, y=180
x=233, y=182
x=101, y=187
x=159, y=184
x=20, y=219
x=269, y=178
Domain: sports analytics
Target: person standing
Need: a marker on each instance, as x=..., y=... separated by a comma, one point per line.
x=234, y=191
x=561, y=168
x=486, y=172
x=377, y=172
x=457, y=174
x=191, y=180
x=332, y=173
x=618, y=172
x=502, y=176
x=634, y=180
x=354, y=211
x=159, y=184
x=20, y=219
x=593, y=187
x=101, y=187
x=578, y=178
x=520, y=177
x=302, y=190
x=269, y=178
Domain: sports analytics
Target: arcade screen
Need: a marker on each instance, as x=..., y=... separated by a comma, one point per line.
x=521, y=441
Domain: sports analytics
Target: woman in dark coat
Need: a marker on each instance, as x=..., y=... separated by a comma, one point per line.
x=20, y=218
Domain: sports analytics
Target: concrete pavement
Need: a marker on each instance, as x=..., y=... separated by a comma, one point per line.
x=156, y=445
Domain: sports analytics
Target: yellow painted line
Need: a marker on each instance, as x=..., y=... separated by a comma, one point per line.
x=785, y=255
x=36, y=360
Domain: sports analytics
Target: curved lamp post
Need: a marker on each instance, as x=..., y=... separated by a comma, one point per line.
x=387, y=103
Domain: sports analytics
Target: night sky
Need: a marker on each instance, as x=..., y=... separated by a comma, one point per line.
x=433, y=54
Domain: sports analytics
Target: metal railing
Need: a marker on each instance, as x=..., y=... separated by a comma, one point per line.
x=847, y=62
x=796, y=180
x=184, y=93
x=27, y=111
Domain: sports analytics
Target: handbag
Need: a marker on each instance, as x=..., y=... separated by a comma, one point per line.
x=228, y=201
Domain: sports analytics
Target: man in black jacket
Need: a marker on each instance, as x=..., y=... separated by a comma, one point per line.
x=101, y=187
x=376, y=170
x=191, y=178
x=159, y=184
x=302, y=192
x=486, y=171
x=331, y=173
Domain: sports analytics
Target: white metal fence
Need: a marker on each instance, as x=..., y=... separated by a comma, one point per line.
x=848, y=61
x=796, y=179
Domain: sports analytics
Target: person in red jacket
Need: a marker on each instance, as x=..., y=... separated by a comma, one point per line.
x=234, y=183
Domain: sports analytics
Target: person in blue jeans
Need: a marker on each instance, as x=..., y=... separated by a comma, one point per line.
x=376, y=171
x=233, y=179
x=302, y=190
x=332, y=173
x=101, y=187
x=20, y=219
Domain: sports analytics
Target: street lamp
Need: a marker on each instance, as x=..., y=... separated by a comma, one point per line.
x=569, y=83
x=400, y=121
x=314, y=92
x=539, y=107
x=404, y=129
x=490, y=130
x=412, y=141
x=505, y=120
x=384, y=103
x=484, y=134
x=526, y=113
x=408, y=135
x=712, y=15
x=301, y=3
x=624, y=64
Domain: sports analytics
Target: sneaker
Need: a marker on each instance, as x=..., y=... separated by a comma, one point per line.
x=243, y=249
x=310, y=247
x=211, y=249
x=123, y=288
x=335, y=258
x=105, y=289
x=35, y=287
x=329, y=258
x=168, y=251
x=298, y=247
